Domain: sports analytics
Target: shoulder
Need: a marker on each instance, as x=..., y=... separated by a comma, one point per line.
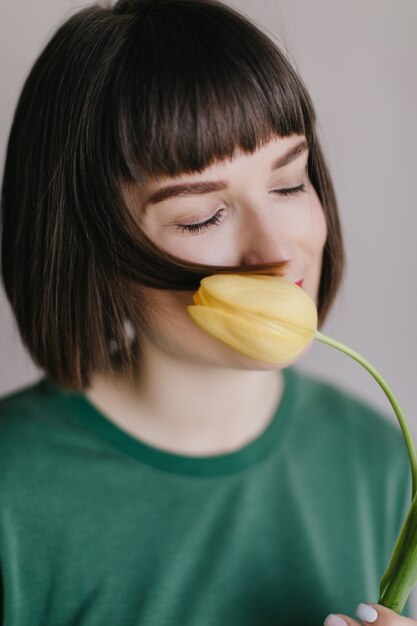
x=345, y=408
x=23, y=415
x=25, y=410
x=32, y=422
x=350, y=423
x=357, y=450
x=19, y=409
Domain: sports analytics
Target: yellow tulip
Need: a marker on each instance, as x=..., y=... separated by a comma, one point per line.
x=272, y=320
x=267, y=318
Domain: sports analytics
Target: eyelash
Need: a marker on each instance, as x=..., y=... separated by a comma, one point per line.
x=216, y=219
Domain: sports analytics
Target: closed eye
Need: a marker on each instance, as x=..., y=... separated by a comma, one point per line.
x=217, y=217
x=199, y=228
x=291, y=191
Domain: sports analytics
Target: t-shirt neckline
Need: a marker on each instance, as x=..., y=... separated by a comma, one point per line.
x=79, y=407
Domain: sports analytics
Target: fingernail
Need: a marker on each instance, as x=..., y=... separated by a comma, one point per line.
x=366, y=612
x=334, y=620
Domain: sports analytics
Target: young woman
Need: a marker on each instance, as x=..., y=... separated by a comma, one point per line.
x=154, y=475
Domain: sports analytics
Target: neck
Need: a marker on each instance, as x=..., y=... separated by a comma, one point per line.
x=186, y=408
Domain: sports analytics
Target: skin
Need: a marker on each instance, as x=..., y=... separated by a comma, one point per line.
x=185, y=371
x=386, y=617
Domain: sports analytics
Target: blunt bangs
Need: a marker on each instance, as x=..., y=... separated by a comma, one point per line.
x=185, y=98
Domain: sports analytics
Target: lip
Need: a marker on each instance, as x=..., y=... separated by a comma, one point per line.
x=300, y=282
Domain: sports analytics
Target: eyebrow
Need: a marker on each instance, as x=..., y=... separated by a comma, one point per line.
x=202, y=187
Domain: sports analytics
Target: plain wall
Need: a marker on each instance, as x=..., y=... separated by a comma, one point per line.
x=358, y=60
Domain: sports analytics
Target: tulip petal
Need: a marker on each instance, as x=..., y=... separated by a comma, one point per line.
x=272, y=297
x=271, y=343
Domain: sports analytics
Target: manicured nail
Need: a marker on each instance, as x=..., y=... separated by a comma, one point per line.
x=366, y=612
x=334, y=620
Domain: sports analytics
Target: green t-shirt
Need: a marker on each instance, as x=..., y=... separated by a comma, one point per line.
x=99, y=529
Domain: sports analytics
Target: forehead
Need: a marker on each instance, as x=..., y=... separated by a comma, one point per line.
x=276, y=148
x=271, y=156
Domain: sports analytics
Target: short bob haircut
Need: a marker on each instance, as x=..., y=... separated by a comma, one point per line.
x=121, y=94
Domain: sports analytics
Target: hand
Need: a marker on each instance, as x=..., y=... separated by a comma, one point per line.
x=370, y=614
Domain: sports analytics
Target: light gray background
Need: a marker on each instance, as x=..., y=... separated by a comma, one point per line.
x=359, y=60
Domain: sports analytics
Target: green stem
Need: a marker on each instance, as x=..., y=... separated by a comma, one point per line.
x=412, y=452
x=401, y=573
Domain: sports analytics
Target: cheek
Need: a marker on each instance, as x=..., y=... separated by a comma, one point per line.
x=312, y=226
x=309, y=235
x=173, y=331
x=167, y=315
x=212, y=248
x=319, y=223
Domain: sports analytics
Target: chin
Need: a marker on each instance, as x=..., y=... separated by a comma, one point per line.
x=244, y=362
x=212, y=353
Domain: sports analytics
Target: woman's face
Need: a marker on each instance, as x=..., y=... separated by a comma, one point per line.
x=253, y=209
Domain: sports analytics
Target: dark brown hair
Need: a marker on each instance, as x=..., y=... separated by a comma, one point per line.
x=144, y=88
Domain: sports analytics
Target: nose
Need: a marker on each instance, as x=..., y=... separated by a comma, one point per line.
x=264, y=241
